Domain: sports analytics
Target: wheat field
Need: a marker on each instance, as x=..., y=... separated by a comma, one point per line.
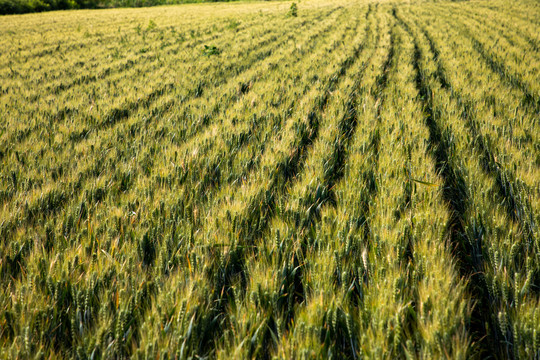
x=327, y=179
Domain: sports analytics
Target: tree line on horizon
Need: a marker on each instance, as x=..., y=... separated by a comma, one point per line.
x=28, y=6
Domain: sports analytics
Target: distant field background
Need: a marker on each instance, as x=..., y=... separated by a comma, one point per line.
x=28, y=6
x=329, y=179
